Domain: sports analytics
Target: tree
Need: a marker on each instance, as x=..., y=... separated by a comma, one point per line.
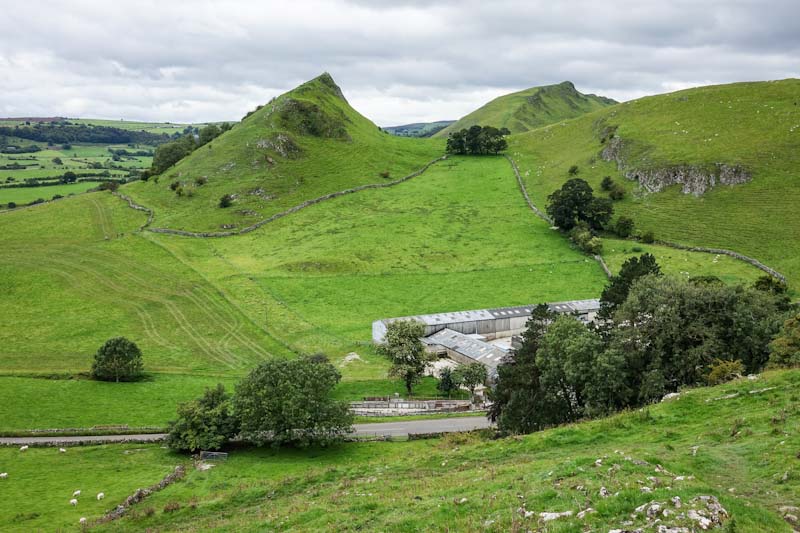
x=57, y=161
x=573, y=170
x=616, y=291
x=456, y=142
x=448, y=381
x=404, y=349
x=226, y=201
x=617, y=192
x=290, y=402
x=117, y=360
x=518, y=404
x=477, y=140
x=574, y=202
x=624, y=227
x=12, y=205
x=69, y=177
x=206, y=423
x=472, y=375
x=785, y=349
x=607, y=184
x=597, y=213
x=170, y=153
x=208, y=134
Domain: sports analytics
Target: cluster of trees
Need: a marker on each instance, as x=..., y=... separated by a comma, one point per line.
x=170, y=153
x=615, y=190
x=281, y=402
x=469, y=376
x=575, y=209
x=660, y=334
x=65, y=133
x=477, y=140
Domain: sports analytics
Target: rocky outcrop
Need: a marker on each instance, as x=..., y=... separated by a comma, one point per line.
x=695, y=180
x=281, y=143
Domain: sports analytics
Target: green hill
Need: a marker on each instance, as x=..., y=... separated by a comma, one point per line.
x=531, y=108
x=302, y=145
x=419, y=129
x=737, y=442
x=691, y=145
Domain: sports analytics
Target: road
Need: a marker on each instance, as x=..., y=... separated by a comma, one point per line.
x=393, y=429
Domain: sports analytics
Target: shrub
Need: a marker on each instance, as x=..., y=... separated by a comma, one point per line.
x=226, y=201
x=607, y=183
x=585, y=240
x=179, y=191
x=12, y=205
x=617, y=192
x=117, y=360
x=174, y=185
x=206, y=423
x=108, y=186
x=723, y=371
x=201, y=180
x=573, y=170
x=785, y=349
x=171, y=507
x=385, y=174
x=648, y=237
x=624, y=228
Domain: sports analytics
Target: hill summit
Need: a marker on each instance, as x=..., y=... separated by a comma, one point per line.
x=532, y=108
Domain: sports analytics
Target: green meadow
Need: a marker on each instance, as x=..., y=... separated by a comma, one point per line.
x=737, y=442
x=24, y=195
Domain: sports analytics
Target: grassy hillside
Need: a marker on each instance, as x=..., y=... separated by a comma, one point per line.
x=304, y=144
x=531, y=108
x=419, y=129
x=755, y=126
x=736, y=442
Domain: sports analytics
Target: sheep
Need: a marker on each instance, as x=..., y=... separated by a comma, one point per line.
x=73, y=502
x=62, y=450
x=76, y=493
x=23, y=448
x=101, y=495
x=3, y=475
x=82, y=520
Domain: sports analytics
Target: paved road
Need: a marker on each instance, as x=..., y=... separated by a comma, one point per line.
x=394, y=429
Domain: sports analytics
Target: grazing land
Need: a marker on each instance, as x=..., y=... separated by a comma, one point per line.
x=752, y=125
x=736, y=442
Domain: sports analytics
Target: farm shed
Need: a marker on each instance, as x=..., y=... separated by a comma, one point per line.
x=489, y=323
x=465, y=349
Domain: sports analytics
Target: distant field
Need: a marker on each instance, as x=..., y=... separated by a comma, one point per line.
x=22, y=195
x=752, y=124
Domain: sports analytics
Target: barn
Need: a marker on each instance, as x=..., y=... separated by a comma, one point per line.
x=488, y=323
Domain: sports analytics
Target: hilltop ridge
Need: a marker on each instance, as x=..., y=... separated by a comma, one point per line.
x=531, y=108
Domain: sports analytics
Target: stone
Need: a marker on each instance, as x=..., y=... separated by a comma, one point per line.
x=670, y=396
x=547, y=517
x=676, y=502
x=604, y=492
x=581, y=515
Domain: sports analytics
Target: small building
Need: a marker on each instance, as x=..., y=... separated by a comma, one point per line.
x=488, y=323
x=465, y=349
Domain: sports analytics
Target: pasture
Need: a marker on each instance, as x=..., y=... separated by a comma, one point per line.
x=24, y=195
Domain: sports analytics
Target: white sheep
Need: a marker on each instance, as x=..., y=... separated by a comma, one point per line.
x=73, y=502
x=3, y=475
x=62, y=450
x=76, y=493
x=23, y=448
x=82, y=520
x=100, y=495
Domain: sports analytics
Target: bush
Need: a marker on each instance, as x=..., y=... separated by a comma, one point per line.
x=785, y=349
x=385, y=174
x=607, y=183
x=174, y=185
x=648, y=237
x=226, y=201
x=617, y=192
x=117, y=360
x=171, y=507
x=290, y=402
x=624, y=227
x=723, y=371
x=12, y=205
x=108, y=186
x=573, y=170
x=201, y=180
x=206, y=423
x=585, y=240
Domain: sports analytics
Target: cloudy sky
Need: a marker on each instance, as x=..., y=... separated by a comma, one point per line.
x=397, y=61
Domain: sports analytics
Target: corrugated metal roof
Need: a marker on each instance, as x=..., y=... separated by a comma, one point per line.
x=480, y=351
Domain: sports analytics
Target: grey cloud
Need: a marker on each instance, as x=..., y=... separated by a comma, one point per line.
x=398, y=61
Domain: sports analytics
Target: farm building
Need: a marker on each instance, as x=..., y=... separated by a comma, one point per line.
x=466, y=349
x=488, y=323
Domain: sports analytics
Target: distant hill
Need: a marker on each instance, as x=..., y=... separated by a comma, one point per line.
x=531, y=108
x=714, y=166
x=301, y=145
x=419, y=129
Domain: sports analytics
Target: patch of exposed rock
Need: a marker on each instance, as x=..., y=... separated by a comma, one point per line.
x=693, y=179
x=281, y=143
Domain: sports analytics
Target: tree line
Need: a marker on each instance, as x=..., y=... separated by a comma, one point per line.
x=64, y=133
x=477, y=140
x=170, y=153
x=655, y=335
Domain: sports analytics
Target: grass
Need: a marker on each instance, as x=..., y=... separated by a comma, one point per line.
x=756, y=125
x=531, y=108
x=41, y=481
x=745, y=446
x=23, y=195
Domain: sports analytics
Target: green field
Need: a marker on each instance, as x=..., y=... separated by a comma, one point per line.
x=745, y=456
x=23, y=195
x=755, y=125
x=530, y=109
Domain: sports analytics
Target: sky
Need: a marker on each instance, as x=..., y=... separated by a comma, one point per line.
x=397, y=61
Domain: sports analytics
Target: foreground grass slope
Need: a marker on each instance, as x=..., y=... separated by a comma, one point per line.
x=755, y=126
x=304, y=144
x=737, y=442
x=532, y=108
